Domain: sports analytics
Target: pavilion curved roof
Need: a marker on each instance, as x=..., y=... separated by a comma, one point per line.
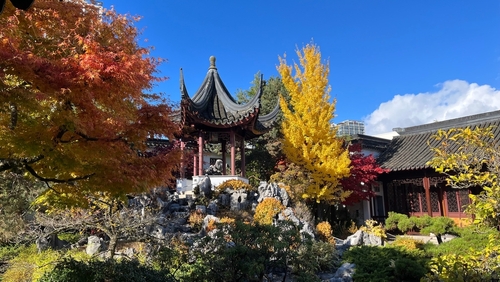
x=213, y=108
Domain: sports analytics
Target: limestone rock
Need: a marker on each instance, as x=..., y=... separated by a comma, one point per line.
x=201, y=209
x=212, y=208
x=239, y=200
x=93, y=245
x=207, y=219
x=42, y=244
x=205, y=187
x=273, y=190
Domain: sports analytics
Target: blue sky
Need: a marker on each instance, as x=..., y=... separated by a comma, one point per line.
x=392, y=63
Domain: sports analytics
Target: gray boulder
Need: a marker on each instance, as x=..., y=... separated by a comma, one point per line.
x=285, y=199
x=344, y=273
x=212, y=208
x=273, y=190
x=42, y=244
x=358, y=239
x=225, y=200
x=93, y=245
x=207, y=219
x=371, y=240
x=239, y=200
x=201, y=209
x=205, y=186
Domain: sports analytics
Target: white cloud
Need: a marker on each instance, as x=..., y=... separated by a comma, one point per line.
x=455, y=98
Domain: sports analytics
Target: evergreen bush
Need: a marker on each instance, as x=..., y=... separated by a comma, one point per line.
x=71, y=270
x=392, y=220
x=375, y=263
x=475, y=265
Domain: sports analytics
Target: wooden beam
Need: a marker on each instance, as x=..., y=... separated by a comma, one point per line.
x=427, y=188
x=242, y=151
x=224, y=162
x=195, y=165
x=200, y=153
x=233, y=152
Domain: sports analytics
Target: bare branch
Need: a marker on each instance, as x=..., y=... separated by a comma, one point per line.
x=55, y=180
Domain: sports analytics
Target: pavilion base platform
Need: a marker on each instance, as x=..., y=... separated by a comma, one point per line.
x=186, y=186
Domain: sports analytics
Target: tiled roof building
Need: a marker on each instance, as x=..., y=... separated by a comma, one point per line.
x=410, y=151
x=413, y=187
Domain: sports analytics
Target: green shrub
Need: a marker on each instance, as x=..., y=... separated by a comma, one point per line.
x=407, y=269
x=386, y=263
x=69, y=237
x=426, y=224
x=239, y=251
x=315, y=256
x=422, y=221
x=439, y=226
x=470, y=237
x=30, y=265
x=406, y=224
x=475, y=265
x=408, y=243
x=391, y=222
x=8, y=252
x=71, y=270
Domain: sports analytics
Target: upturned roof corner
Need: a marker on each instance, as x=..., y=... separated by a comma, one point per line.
x=212, y=107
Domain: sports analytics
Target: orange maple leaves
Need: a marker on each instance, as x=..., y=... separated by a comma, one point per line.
x=78, y=79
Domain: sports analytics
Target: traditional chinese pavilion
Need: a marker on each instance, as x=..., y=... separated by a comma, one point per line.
x=212, y=115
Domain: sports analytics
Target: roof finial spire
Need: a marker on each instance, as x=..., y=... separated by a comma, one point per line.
x=212, y=62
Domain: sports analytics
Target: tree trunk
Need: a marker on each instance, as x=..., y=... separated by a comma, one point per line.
x=439, y=239
x=113, y=240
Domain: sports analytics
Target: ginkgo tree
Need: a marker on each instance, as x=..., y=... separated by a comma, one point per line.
x=310, y=141
x=74, y=112
x=470, y=158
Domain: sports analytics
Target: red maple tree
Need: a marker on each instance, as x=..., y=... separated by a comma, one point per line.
x=74, y=103
x=364, y=171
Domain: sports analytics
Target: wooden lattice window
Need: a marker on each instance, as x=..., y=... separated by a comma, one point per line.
x=457, y=200
x=434, y=202
x=451, y=198
x=414, y=198
x=463, y=196
x=391, y=196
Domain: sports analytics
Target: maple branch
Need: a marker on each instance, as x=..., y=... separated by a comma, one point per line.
x=55, y=180
x=7, y=164
x=88, y=138
x=63, y=130
x=13, y=115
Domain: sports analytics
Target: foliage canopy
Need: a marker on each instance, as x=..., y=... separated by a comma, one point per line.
x=73, y=105
x=309, y=140
x=470, y=158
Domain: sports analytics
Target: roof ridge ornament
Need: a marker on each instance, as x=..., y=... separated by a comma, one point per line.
x=212, y=63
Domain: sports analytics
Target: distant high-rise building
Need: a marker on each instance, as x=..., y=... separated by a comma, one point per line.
x=350, y=127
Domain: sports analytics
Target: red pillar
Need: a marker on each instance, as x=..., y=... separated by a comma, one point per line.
x=200, y=153
x=224, y=162
x=195, y=165
x=183, y=168
x=427, y=188
x=233, y=151
x=242, y=150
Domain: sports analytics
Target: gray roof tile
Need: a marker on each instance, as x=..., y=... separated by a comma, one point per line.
x=411, y=151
